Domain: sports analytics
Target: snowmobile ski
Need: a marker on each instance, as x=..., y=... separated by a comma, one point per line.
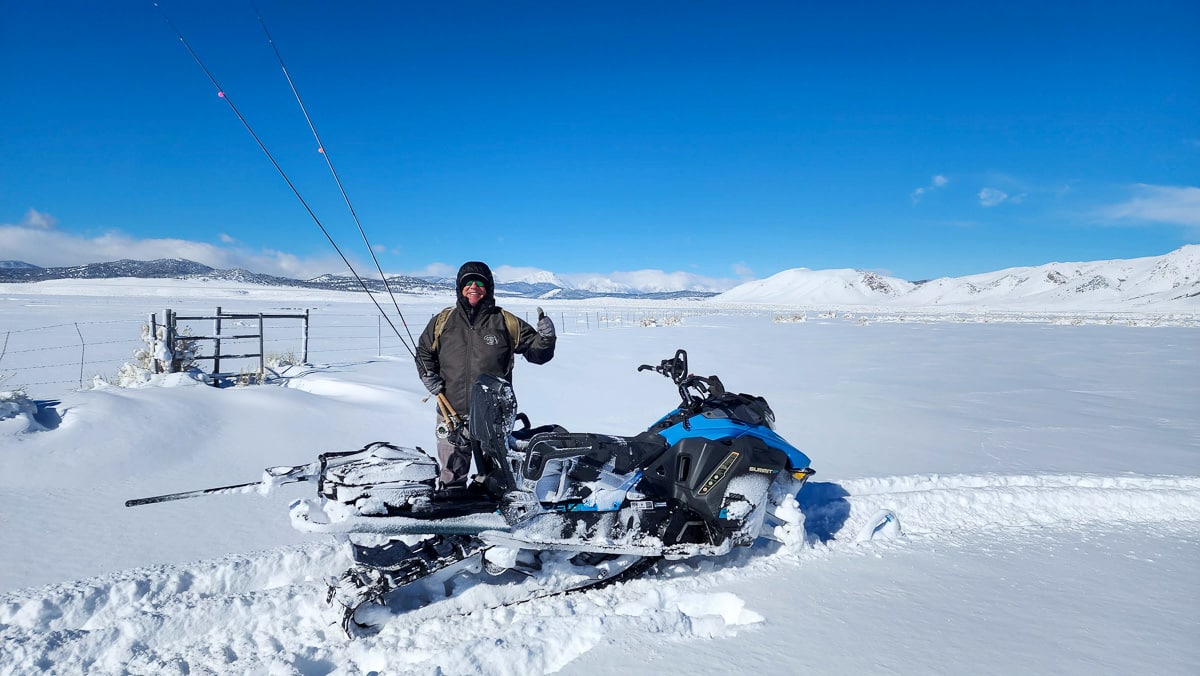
x=361, y=593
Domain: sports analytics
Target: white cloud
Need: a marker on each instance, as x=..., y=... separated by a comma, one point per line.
x=436, y=270
x=648, y=281
x=36, y=219
x=38, y=242
x=936, y=182
x=990, y=197
x=1176, y=205
x=619, y=281
x=742, y=270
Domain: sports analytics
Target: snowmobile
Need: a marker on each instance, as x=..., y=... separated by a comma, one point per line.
x=710, y=475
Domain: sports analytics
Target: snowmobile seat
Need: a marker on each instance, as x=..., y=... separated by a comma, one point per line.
x=518, y=439
x=591, y=453
x=508, y=459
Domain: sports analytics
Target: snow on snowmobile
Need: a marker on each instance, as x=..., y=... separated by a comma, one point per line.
x=709, y=476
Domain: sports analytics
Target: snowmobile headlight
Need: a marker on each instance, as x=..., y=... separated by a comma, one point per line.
x=802, y=475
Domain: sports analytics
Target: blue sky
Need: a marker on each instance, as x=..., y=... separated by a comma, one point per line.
x=729, y=140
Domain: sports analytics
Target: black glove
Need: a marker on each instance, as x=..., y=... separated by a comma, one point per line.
x=434, y=383
x=545, y=327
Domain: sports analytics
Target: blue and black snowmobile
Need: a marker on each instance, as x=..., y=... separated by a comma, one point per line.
x=709, y=476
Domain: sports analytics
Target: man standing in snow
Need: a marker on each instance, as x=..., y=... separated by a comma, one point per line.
x=472, y=337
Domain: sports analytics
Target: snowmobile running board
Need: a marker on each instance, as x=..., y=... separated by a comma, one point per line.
x=467, y=524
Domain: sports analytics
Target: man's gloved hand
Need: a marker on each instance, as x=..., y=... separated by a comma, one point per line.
x=545, y=327
x=434, y=383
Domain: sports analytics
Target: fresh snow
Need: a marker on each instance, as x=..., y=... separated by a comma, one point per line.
x=1162, y=283
x=1042, y=483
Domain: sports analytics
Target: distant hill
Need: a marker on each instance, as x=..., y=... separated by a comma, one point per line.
x=1172, y=278
x=181, y=268
x=17, y=265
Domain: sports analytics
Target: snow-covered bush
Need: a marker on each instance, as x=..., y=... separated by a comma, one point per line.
x=157, y=356
x=284, y=360
x=666, y=320
x=792, y=318
x=248, y=377
x=17, y=412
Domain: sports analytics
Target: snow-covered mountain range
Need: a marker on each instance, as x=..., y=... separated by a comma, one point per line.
x=616, y=283
x=1167, y=282
x=1156, y=281
x=544, y=285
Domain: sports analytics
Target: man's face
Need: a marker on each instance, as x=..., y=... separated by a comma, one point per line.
x=474, y=292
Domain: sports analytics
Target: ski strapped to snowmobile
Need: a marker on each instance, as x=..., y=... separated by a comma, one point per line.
x=710, y=475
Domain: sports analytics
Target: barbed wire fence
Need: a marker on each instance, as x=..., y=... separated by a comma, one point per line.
x=58, y=354
x=76, y=353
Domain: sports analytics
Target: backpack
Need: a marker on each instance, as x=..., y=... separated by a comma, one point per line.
x=510, y=322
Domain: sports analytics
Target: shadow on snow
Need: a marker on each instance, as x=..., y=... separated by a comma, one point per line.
x=825, y=509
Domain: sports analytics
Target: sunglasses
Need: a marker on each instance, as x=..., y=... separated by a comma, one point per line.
x=473, y=283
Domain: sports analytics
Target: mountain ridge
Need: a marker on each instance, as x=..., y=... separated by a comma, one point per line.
x=1172, y=279
x=182, y=268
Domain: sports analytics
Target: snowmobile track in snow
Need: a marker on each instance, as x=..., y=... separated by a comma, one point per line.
x=968, y=503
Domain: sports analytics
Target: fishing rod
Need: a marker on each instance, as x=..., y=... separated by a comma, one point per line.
x=329, y=161
x=447, y=410
x=245, y=123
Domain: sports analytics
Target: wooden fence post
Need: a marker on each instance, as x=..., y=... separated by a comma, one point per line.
x=217, y=342
x=172, y=332
x=155, y=365
x=262, y=359
x=305, y=341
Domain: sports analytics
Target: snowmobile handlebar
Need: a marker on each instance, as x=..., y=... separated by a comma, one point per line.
x=676, y=368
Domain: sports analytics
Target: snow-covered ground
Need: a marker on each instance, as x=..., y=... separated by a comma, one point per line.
x=1157, y=283
x=1046, y=477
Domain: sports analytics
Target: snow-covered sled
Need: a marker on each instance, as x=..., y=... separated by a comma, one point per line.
x=544, y=501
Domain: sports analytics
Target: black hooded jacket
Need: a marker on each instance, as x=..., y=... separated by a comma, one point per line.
x=475, y=340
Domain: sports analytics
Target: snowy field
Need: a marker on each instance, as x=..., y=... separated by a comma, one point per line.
x=1046, y=475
